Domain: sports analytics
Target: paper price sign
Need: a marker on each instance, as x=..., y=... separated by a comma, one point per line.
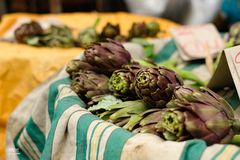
x=194, y=41
x=228, y=70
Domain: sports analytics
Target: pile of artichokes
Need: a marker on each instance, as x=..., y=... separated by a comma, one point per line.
x=61, y=36
x=55, y=36
x=148, y=99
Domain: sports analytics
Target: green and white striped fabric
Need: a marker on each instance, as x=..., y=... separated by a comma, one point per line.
x=52, y=123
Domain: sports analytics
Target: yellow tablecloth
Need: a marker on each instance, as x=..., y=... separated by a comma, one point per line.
x=24, y=67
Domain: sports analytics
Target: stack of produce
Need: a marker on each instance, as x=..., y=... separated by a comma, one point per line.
x=149, y=99
x=143, y=29
x=55, y=36
x=61, y=36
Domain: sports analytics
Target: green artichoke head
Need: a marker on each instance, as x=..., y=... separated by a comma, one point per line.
x=171, y=125
x=152, y=29
x=57, y=36
x=155, y=85
x=122, y=81
x=107, y=56
x=26, y=30
x=87, y=37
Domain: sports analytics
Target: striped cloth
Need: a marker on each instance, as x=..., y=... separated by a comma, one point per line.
x=52, y=123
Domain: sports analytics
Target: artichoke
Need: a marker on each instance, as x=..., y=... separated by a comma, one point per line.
x=121, y=81
x=87, y=37
x=57, y=36
x=138, y=30
x=155, y=85
x=202, y=114
x=167, y=123
x=152, y=29
x=107, y=56
x=88, y=84
x=110, y=31
x=27, y=30
x=171, y=125
x=76, y=65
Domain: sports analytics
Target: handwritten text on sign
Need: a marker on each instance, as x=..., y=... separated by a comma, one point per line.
x=196, y=40
x=237, y=58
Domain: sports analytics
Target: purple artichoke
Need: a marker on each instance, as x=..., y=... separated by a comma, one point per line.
x=138, y=30
x=155, y=85
x=27, y=30
x=76, y=65
x=107, y=56
x=202, y=114
x=88, y=84
x=110, y=31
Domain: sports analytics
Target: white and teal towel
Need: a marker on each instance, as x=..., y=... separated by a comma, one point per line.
x=52, y=123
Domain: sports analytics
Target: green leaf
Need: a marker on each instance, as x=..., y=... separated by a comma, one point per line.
x=104, y=103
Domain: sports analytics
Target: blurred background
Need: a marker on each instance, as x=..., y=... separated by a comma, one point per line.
x=221, y=12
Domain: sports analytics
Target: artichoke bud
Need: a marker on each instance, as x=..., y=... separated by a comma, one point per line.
x=107, y=56
x=206, y=115
x=87, y=37
x=27, y=30
x=155, y=85
x=118, y=83
x=76, y=65
x=88, y=84
x=138, y=30
x=57, y=36
x=72, y=66
x=185, y=94
x=153, y=28
x=171, y=124
x=121, y=81
x=110, y=31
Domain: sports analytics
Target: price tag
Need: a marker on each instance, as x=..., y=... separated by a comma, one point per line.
x=228, y=70
x=194, y=41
